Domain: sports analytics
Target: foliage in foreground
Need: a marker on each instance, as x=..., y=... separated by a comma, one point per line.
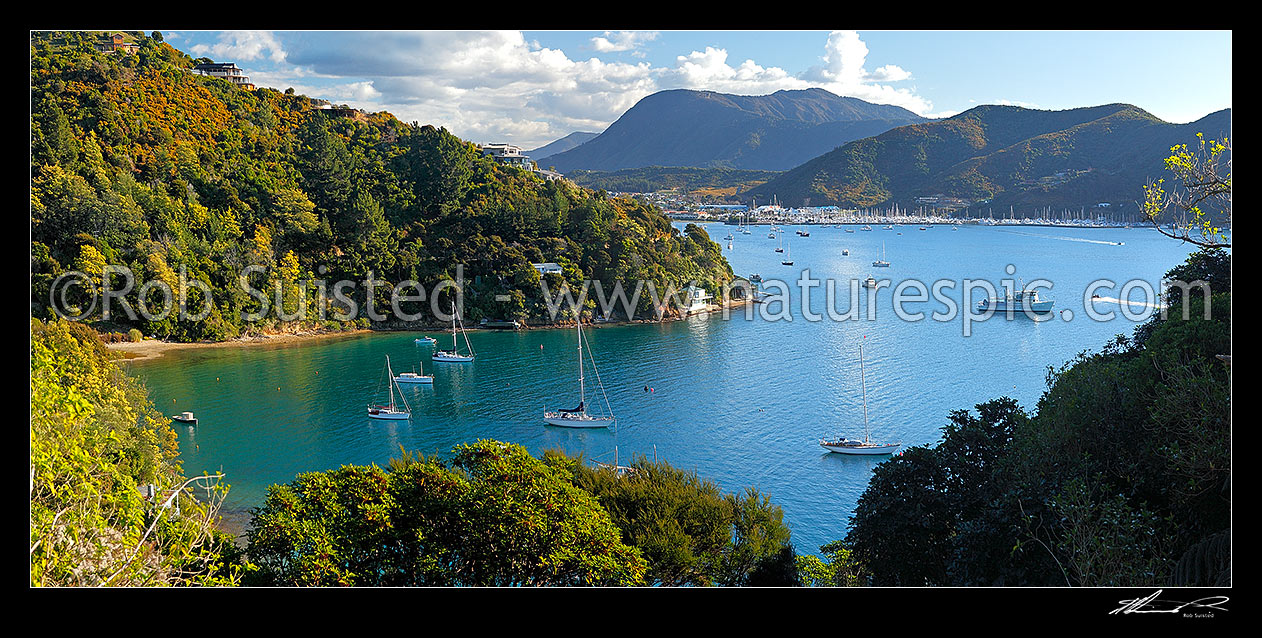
x=1122, y=477
x=491, y=516
x=690, y=532
x=96, y=439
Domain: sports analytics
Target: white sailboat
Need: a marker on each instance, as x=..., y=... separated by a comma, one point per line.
x=788, y=258
x=578, y=417
x=453, y=355
x=842, y=445
x=391, y=412
x=881, y=263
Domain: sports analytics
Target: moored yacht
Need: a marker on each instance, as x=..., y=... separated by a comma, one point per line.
x=843, y=445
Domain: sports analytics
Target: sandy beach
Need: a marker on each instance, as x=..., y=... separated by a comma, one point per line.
x=154, y=348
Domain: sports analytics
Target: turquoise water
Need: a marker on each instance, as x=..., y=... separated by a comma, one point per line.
x=743, y=402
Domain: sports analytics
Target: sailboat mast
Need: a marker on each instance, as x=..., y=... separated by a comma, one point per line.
x=864, y=380
x=581, y=389
x=390, y=372
x=454, y=349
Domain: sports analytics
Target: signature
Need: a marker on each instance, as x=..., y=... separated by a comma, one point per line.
x=1150, y=605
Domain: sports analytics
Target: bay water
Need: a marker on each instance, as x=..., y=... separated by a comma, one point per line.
x=741, y=401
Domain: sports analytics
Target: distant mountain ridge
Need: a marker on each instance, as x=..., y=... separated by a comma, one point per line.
x=560, y=146
x=1003, y=155
x=704, y=129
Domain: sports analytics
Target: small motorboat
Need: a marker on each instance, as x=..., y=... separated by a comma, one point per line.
x=429, y=341
x=412, y=377
x=186, y=418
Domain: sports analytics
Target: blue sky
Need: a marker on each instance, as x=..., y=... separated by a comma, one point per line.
x=532, y=87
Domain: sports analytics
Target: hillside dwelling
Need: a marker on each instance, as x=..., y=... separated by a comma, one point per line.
x=551, y=176
x=226, y=71
x=548, y=268
x=696, y=299
x=507, y=154
x=115, y=42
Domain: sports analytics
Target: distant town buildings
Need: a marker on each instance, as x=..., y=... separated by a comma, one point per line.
x=227, y=71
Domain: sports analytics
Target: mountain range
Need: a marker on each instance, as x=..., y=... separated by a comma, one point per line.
x=999, y=155
x=707, y=129
x=566, y=143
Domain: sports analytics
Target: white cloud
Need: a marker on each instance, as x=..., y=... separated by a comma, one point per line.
x=242, y=45
x=888, y=73
x=1028, y=105
x=843, y=73
x=614, y=41
x=497, y=86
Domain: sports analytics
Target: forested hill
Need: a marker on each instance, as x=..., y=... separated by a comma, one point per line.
x=706, y=129
x=136, y=161
x=1011, y=156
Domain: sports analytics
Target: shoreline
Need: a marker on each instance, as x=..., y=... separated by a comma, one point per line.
x=151, y=349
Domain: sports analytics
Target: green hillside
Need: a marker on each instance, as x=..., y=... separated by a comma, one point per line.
x=136, y=161
x=1003, y=156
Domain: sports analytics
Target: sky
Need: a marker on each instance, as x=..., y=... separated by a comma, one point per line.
x=530, y=88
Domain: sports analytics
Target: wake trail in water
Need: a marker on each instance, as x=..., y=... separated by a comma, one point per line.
x=1078, y=239
x=1154, y=306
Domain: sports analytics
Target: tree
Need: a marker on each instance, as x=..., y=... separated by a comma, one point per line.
x=687, y=529
x=1202, y=190
x=492, y=515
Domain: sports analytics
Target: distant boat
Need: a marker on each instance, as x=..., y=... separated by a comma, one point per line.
x=186, y=418
x=729, y=237
x=1016, y=302
x=500, y=323
x=866, y=227
x=788, y=258
x=870, y=282
x=881, y=263
x=427, y=340
x=850, y=230
x=845, y=251
x=578, y=417
x=453, y=355
x=391, y=412
x=755, y=278
x=842, y=445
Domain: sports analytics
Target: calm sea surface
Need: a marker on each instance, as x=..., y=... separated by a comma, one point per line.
x=743, y=402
